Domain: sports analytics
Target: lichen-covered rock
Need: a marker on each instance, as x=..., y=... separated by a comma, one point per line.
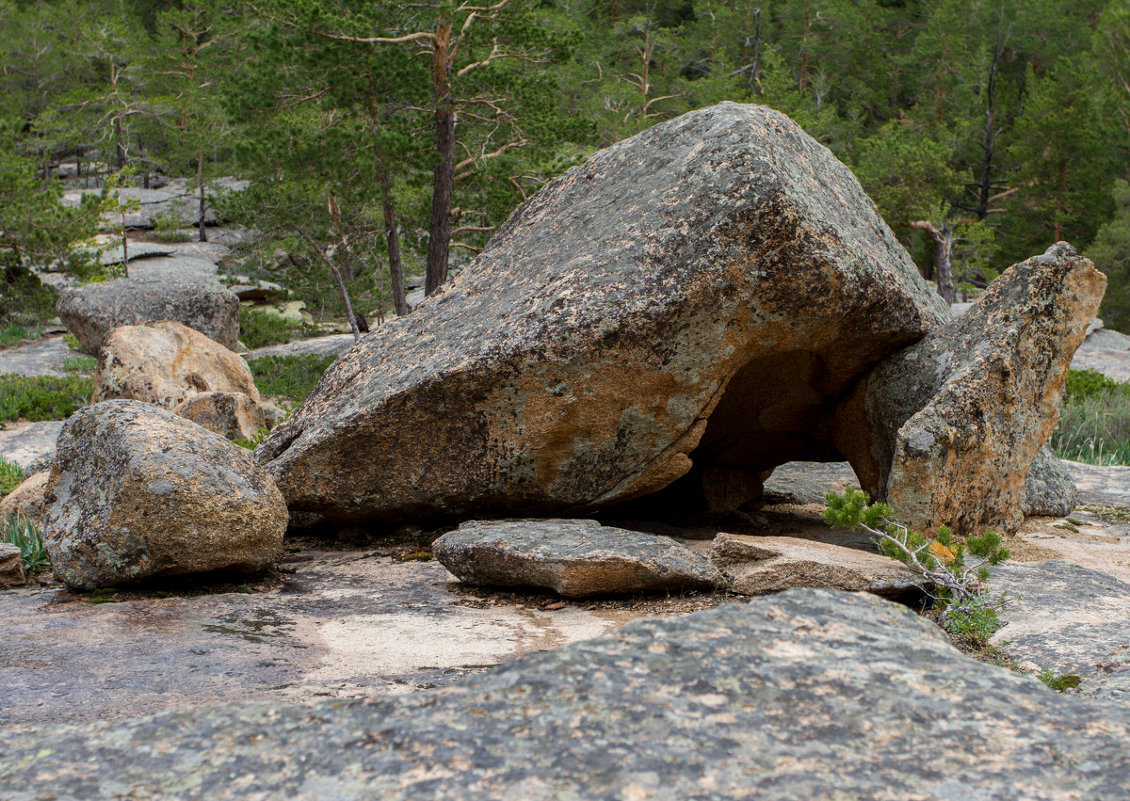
x=697, y=294
x=810, y=694
x=166, y=363
x=27, y=499
x=574, y=558
x=136, y=492
x=1048, y=489
x=763, y=565
x=229, y=414
x=91, y=312
x=946, y=430
x=11, y=566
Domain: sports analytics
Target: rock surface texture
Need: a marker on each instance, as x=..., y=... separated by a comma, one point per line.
x=91, y=312
x=229, y=414
x=697, y=295
x=166, y=363
x=946, y=430
x=574, y=558
x=11, y=566
x=27, y=499
x=1048, y=488
x=763, y=565
x=136, y=491
x=808, y=694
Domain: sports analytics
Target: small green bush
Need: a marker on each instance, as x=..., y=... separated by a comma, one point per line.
x=24, y=299
x=289, y=377
x=24, y=534
x=42, y=397
x=259, y=328
x=1060, y=682
x=253, y=443
x=1080, y=384
x=11, y=476
x=71, y=341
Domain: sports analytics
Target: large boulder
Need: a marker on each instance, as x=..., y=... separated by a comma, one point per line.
x=91, y=312
x=137, y=492
x=810, y=694
x=697, y=295
x=166, y=363
x=574, y=558
x=946, y=430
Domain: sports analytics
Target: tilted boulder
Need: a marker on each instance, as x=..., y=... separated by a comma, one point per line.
x=168, y=364
x=137, y=492
x=701, y=294
x=947, y=429
x=1048, y=489
x=91, y=312
x=228, y=414
x=574, y=558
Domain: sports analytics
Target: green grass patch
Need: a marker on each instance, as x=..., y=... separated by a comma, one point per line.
x=15, y=334
x=21, y=532
x=1094, y=422
x=11, y=476
x=80, y=364
x=42, y=397
x=1060, y=682
x=289, y=377
x=259, y=328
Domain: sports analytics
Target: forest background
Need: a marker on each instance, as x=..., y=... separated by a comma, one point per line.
x=391, y=138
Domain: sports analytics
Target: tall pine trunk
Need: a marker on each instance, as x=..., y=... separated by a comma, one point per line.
x=200, y=181
x=439, y=241
x=395, y=268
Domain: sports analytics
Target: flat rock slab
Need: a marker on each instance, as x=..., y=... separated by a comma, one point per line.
x=574, y=558
x=1101, y=485
x=808, y=694
x=763, y=565
x=1068, y=619
x=1114, y=364
x=186, y=269
x=332, y=345
x=30, y=444
x=808, y=482
x=343, y=625
x=44, y=357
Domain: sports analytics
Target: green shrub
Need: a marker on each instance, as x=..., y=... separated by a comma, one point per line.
x=24, y=299
x=289, y=377
x=167, y=227
x=1060, y=682
x=71, y=341
x=259, y=328
x=11, y=475
x=24, y=534
x=1094, y=422
x=253, y=443
x=1080, y=384
x=42, y=397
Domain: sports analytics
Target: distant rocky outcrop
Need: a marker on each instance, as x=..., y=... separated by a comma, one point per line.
x=574, y=558
x=946, y=430
x=810, y=694
x=91, y=312
x=136, y=492
x=699, y=295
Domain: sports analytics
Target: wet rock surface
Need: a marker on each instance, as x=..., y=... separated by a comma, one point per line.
x=946, y=430
x=807, y=694
x=91, y=312
x=574, y=558
x=764, y=565
x=137, y=492
x=697, y=294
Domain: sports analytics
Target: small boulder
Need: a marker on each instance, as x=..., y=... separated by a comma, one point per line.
x=91, y=312
x=27, y=499
x=11, y=566
x=574, y=558
x=165, y=363
x=946, y=430
x=764, y=565
x=1049, y=490
x=137, y=491
x=229, y=414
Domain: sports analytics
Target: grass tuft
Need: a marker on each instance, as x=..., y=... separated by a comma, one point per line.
x=24, y=534
x=42, y=397
x=11, y=476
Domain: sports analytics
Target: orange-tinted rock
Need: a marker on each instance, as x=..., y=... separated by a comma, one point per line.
x=947, y=429
x=27, y=499
x=229, y=414
x=701, y=294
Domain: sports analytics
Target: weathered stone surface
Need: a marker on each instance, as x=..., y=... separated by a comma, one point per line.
x=27, y=499
x=1068, y=619
x=331, y=345
x=91, y=312
x=1105, y=339
x=44, y=357
x=229, y=414
x=1048, y=489
x=1114, y=364
x=763, y=565
x=167, y=363
x=808, y=694
x=697, y=294
x=136, y=492
x=11, y=568
x=30, y=445
x=946, y=430
x=1101, y=485
x=574, y=558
